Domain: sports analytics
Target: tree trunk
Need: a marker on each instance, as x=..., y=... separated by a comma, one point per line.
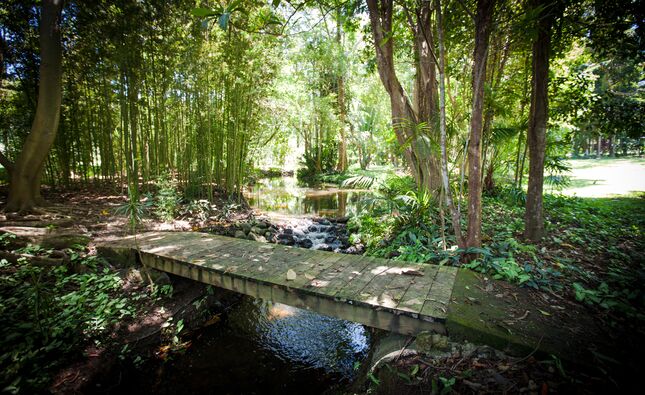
x=599, y=148
x=405, y=120
x=482, y=32
x=342, y=146
x=24, y=191
x=538, y=117
x=455, y=216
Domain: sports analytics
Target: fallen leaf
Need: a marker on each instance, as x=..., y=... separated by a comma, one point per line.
x=309, y=276
x=291, y=275
x=411, y=272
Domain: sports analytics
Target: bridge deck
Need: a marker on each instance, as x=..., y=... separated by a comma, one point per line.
x=396, y=296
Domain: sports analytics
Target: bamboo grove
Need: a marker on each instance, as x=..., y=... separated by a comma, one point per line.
x=151, y=89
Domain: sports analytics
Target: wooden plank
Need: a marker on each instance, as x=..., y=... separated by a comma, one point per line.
x=308, y=274
x=436, y=304
x=345, y=276
x=353, y=289
x=415, y=296
x=330, y=276
x=392, y=294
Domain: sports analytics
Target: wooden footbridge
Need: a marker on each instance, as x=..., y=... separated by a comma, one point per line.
x=396, y=296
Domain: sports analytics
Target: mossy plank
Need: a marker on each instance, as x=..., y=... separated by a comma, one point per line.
x=438, y=298
x=307, y=277
x=394, y=291
x=415, y=296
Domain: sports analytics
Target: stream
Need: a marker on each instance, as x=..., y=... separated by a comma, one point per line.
x=264, y=347
x=283, y=196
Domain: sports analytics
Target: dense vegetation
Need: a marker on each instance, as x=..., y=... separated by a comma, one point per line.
x=175, y=106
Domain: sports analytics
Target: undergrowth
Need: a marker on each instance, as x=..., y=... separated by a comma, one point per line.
x=50, y=313
x=593, y=250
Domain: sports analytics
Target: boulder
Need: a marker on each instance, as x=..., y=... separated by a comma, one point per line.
x=306, y=243
x=261, y=224
x=255, y=237
x=286, y=239
x=325, y=247
x=426, y=342
x=246, y=227
x=240, y=234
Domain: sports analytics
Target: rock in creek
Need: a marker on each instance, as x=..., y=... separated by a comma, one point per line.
x=325, y=247
x=305, y=243
x=256, y=237
x=286, y=239
x=240, y=234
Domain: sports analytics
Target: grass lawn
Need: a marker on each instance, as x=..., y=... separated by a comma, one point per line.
x=606, y=177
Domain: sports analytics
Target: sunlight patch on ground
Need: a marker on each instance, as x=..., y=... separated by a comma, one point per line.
x=606, y=177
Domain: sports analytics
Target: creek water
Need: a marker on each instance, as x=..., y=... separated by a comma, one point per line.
x=284, y=196
x=261, y=347
x=264, y=347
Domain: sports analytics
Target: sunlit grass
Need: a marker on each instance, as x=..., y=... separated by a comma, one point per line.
x=606, y=177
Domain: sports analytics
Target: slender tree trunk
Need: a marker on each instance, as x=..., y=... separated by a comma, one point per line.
x=483, y=20
x=24, y=191
x=342, y=145
x=454, y=214
x=538, y=117
x=599, y=148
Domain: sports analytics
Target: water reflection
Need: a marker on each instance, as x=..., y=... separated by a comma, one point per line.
x=307, y=340
x=284, y=196
x=264, y=347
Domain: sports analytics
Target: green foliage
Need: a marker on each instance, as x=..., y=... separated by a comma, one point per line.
x=135, y=210
x=315, y=165
x=168, y=198
x=197, y=209
x=498, y=260
x=49, y=314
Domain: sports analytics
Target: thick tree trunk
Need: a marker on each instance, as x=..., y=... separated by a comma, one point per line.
x=538, y=117
x=24, y=189
x=405, y=120
x=483, y=20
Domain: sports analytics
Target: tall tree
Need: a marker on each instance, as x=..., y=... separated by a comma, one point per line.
x=342, y=107
x=24, y=189
x=538, y=118
x=411, y=121
x=483, y=19
x=447, y=191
